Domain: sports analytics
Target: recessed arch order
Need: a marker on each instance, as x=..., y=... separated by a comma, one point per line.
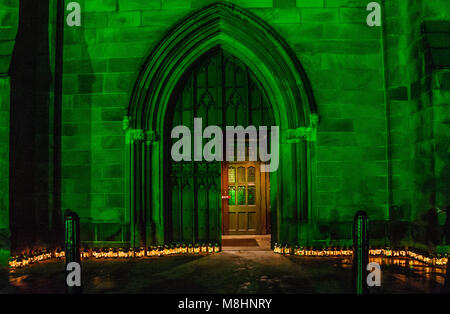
x=284, y=82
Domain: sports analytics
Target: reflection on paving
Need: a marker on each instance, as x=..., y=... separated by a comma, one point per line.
x=226, y=272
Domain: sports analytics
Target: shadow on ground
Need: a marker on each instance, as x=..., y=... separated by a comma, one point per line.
x=225, y=272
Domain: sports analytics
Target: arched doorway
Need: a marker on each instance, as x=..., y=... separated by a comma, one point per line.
x=282, y=81
x=220, y=90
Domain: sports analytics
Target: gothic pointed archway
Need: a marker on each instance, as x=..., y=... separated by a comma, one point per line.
x=284, y=83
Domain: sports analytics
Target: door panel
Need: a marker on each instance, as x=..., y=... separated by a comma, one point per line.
x=244, y=203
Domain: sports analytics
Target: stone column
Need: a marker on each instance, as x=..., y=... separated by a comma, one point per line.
x=4, y=170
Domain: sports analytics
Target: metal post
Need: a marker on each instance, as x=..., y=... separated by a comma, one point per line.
x=72, y=244
x=360, y=253
x=447, y=276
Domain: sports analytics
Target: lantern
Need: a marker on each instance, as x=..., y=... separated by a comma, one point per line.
x=12, y=262
x=216, y=248
x=287, y=249
x=190, y=249
x=204, y=248
x=196, y=249
x=18, y=261
x=184, y=248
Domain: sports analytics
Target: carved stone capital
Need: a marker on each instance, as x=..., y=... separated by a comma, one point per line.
x=308, y=133
x=137, y=135
x=134, y=135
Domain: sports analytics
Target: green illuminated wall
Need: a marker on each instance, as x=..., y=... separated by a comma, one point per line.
x=8, y=28
x=381, y=95
x=102, y=60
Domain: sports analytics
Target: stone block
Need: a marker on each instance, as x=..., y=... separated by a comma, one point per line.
x=115, y=200
x=319, y=15
x=74, y=201
x=164, y=17
x=124, y=64
x=107, y=214
x=254, y=3
x=75, y=186
x=139, y=5
x=119, y=82
x=351, y=31
x=107, y=186
x=98, y=200
x=112, y=142
x=109, y=231
x=353, y=16
x=124, y=19
x=176, y=4
x=90, y=21
x=346, y=3
x=108, y=157
x=75, y=143
x=85, y=66
x=76, y=158
x=329, y=184
x=195, y=4
x=398, y=93
x=337, y=139
x=310, y=3
x=336, y=125
x=101, y=5
x=111, y=114
x=333, y=169
x=278, y=15
x=361, y=80
x=113, y=171
x=113, y=100
x=284, y=4
x=90, y=83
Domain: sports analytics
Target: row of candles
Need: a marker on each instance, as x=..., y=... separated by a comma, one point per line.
x=39, y=256
x=152, y=251
x=387, y=252
x=165, y=250
x=35, y=257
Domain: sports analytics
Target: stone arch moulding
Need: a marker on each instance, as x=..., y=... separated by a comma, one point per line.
x=281, y=77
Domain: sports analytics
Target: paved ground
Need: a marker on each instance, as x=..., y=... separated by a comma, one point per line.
x=225, y=272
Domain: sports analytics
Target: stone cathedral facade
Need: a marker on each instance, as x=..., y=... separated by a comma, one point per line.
x=86, y=114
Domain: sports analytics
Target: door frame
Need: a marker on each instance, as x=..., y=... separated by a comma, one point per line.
x=288, y=91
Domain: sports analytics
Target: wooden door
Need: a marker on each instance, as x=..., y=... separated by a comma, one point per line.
x=244, y=204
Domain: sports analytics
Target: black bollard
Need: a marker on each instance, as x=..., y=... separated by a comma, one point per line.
x=447, y=277
x=72, y=249
x=360, y=253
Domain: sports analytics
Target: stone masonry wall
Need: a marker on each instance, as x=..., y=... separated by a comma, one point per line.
x=342, y=57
